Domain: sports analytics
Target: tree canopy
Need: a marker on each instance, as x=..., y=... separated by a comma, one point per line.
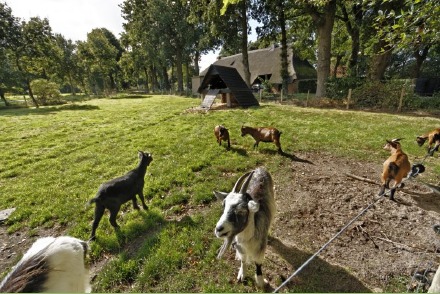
x=163, y=41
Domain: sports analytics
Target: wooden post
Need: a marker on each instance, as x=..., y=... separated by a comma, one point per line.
x=228, y=100
x=260, y=91
x=307, y=100
x=282, y=95
x=348, y=98
x=402, y=93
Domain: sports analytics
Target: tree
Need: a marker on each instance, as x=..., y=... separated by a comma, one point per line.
x=272, y=14
x=100, y=54
x=242, y=8
x=323, y=15
x=9, y=37
x=34, y=50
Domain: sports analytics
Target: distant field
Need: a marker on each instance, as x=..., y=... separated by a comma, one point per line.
x=54, y=158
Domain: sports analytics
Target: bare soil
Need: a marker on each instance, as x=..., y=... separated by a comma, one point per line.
x=384, y=246
x=380, y=252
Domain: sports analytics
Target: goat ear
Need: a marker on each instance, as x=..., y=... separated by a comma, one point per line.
x=253, y=206
x=220, y=195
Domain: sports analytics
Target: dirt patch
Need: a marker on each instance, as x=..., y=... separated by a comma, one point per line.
x=315, y=199
x=388, y=243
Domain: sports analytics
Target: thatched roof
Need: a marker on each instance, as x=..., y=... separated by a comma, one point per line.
x=267, y=62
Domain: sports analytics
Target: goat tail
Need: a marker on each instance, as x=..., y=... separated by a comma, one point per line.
x=91, y=201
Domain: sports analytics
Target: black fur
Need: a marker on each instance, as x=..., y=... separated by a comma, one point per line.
x=112, y=194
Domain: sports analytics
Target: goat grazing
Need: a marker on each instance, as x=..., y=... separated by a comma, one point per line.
x=246, y=219
x=50, y=265
x=263, y=134
x=114, y=193
x=433, y=137
x=396, y=167
x=221, y=133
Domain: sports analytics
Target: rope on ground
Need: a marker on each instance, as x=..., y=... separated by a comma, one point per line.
x=326, y=244
x=415, y=171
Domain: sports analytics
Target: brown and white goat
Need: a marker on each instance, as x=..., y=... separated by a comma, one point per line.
x=50, y=265
x=247, y=216
x=396, y=167
x=263, y=134
x=433, y=138
x=222, y=133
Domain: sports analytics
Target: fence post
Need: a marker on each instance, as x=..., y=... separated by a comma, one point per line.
x=282, y=95
x=402, y=93
x=348, y=98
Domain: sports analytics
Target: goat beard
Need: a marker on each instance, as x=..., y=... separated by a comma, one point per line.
x=225, y=246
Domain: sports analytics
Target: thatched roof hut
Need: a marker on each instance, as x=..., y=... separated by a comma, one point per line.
x=265, y=64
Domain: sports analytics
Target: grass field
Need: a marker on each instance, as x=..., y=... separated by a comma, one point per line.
x=54, y=159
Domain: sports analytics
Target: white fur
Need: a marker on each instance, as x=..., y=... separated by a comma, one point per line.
x=65, y=259
x=251, y=242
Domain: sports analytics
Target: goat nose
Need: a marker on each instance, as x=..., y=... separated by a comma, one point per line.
x=219, y=228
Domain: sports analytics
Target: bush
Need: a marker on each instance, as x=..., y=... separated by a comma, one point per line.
x=337, y=88
x=306, y=85
x=46, y=92
x=384, y=95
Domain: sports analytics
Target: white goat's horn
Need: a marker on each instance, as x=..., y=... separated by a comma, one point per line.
x=246, y=184
x=239, y=181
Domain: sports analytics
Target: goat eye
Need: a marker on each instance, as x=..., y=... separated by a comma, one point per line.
x=241, y=211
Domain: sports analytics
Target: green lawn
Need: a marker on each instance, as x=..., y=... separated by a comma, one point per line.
x=54, y=159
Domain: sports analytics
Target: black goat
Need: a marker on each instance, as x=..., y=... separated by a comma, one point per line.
x=114, y=193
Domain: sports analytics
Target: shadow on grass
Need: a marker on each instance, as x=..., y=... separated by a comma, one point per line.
x=47, y=110
x=239, y=151
x=293, y=157
x=132, y=96
x=318, y=276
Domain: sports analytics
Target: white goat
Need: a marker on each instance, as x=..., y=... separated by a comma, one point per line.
x=246, y=220
x=50, y=265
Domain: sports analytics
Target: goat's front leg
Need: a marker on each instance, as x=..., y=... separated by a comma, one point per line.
x=113, y=214
x=242, y=272
x=134, y=201
x=141, y=196
x=259, y=276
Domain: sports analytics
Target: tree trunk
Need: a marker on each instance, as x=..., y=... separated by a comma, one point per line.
x=324, y=23
x=420, y=58
x=196, y=62
x=284, y=61
x=337, y=63
x=188, y=80
x=154, y=83
x=179, y=70
x=72, y=86
x=2, y=96
x=378, y=64
x=147, y=87
x=166, y=80
x=244, y=43
x=31, y=94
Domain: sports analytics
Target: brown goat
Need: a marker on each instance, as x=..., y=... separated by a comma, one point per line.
x=221, y=133
x=432, y=137
x=263, y=134
x=396, y=167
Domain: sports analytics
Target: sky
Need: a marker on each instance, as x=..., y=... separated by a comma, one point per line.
x=75, y=18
